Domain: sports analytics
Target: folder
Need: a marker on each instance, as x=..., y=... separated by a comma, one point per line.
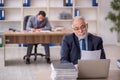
x=118, y=63
x=3, y=14
x=1, y=3
x=0, y=42
x=70, y=2
x=24, y=45
x=26, y=3
x=94, y=3
x=66, y=2
x=77, y=12
x=0, y=14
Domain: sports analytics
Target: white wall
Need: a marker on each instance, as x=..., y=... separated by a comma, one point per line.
x=104, y=25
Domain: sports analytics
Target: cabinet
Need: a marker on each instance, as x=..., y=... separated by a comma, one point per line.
x=15, y=12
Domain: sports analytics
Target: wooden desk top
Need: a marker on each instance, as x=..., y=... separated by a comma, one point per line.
x=9, y=33
x=34, y=37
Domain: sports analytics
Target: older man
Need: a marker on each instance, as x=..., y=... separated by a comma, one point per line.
x=80, y=39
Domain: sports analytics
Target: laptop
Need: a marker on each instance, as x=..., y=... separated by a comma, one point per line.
x=93, y=69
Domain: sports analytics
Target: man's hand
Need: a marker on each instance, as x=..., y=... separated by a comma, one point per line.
x=76, y=66
x=38, y=30
x=33, y=30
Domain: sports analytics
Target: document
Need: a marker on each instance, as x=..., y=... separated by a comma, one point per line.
x=90, y=55
x=45, y=31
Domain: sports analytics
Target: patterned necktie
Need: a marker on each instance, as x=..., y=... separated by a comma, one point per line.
x=83, y=44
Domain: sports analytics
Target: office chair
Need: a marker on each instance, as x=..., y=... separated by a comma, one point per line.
x=35, y=45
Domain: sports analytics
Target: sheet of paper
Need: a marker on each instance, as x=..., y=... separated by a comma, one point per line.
x=86, y=55
x=45, y=31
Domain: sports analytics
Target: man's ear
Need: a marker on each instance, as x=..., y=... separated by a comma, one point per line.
x=87, y=25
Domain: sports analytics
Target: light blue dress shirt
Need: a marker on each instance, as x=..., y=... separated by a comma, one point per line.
x=86, y=42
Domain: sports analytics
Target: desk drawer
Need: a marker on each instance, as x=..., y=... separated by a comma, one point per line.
x=15, y=39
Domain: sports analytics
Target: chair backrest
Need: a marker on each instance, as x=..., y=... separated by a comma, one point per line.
x=93, y=69
x=25, y=21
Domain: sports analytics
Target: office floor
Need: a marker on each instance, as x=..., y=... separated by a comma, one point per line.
x=16, y=69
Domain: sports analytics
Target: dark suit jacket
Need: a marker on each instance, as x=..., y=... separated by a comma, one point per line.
x=70, y=49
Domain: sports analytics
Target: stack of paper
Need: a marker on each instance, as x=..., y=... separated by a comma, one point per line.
x=65, y=71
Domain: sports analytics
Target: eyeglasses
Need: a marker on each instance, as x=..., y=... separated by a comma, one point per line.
x=82, y=27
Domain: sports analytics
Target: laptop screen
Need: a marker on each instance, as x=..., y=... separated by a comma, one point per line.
x=93, y=68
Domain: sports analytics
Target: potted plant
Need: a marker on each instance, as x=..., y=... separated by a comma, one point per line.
x=114, y=16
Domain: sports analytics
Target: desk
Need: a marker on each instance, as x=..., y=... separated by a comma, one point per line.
x=32, y=37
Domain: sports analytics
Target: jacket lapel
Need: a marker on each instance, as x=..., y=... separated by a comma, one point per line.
x=76, y=46
x=76, y=40
x=90, y=42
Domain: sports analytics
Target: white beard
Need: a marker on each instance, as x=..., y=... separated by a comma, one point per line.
x=83, y=37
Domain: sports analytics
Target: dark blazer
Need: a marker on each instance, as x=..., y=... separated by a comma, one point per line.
x=70, y=49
